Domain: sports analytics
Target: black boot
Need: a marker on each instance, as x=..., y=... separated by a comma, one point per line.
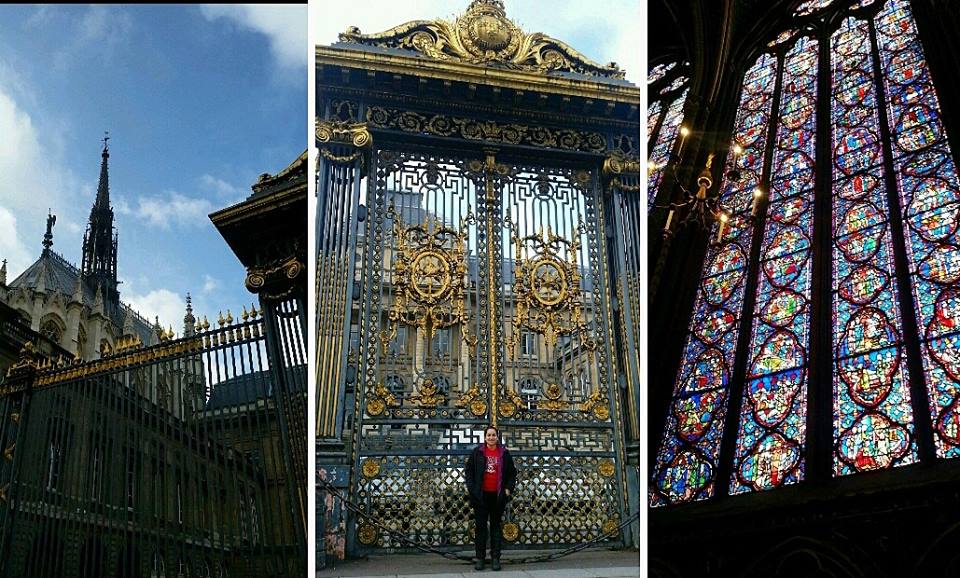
x=479, y=564
x=495, y=564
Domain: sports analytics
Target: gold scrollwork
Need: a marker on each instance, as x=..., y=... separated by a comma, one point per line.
x=471, y=399
x=619, y=165
x=610, y=526
x=428, y=395
x=367, y=535
x=547, y=289
x=336, y=131
x=379, y=399
x=510, y=532
x=485, y=130
x=601, y=412
x=596, y=404
x=8, y=453
x=484, y=35
x=478, y=407
x=430, y=273
x=3, y=493
x=553, y=392
x=605, y=468
x=371, y=468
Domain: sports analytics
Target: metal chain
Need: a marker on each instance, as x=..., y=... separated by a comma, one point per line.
x=453, y=556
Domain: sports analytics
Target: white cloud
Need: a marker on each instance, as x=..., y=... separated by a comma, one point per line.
x=615, y=29
x=176, y=209
x=11, y=247
x=210, y=284
x=221, y=188
x=99, y=33
x=283, y=25
x=33, y=180
x=168, y=306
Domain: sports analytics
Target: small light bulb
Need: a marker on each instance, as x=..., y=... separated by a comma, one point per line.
x=684, y=131
x=724, y=217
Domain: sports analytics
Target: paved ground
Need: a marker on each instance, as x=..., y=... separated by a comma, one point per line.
x=600, y=563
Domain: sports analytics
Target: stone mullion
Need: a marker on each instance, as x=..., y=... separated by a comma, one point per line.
x=819, y=422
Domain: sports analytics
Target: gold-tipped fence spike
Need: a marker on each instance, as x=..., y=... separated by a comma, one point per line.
x=229, y=318
x=245, y=316
x=220, y=320
x=206, y=324
x=253, y=311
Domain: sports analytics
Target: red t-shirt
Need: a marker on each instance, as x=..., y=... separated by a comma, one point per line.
x=491, y=474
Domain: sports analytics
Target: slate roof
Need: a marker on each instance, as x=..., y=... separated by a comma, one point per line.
x=59, y=275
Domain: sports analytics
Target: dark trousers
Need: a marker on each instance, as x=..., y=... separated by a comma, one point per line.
x=489, y=508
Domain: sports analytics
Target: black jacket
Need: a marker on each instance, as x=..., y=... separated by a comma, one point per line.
x=477, y=465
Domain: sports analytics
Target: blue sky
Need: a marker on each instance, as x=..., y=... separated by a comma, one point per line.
x=608, y=31
x=198, y=100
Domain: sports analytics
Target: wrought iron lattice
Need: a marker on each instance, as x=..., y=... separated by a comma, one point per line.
x=485, y=300
x=168, y=460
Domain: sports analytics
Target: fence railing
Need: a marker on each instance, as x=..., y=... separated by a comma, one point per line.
x=186, y=458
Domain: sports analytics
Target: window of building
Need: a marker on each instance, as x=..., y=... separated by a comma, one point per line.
x=528, y=344
x=884, y=256
x=441, y=342
x=667, y=88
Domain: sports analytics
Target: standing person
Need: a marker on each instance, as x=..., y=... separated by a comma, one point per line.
x=491, y=478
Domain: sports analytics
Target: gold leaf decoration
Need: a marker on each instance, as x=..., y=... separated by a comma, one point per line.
x=484, y=36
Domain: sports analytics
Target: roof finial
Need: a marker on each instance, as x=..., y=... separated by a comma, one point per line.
x=3, y=273
x=48, y=236
x=189, y=321
x=106, y=147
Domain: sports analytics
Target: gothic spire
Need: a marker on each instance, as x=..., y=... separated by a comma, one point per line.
x=103, y=188
x=99, y=263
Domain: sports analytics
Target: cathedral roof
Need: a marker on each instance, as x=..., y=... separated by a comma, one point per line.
x=55, y=274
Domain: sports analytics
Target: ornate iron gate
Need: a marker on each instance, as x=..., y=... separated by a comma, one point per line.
x=486, y=301
x=469, y=272
x=172, y=460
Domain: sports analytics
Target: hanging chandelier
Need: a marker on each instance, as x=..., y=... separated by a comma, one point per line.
x=702, y=208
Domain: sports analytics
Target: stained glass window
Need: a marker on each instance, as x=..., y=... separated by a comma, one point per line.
x=865, y=203
x=927, y=183
x=688, y=456
x=664, y=115
x=771, y=436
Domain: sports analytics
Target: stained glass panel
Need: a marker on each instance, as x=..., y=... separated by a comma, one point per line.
x=659, y=71
x=930, y=199
x=811, y=6
x=660, y=152
x=771, y=436
x=873, y=419
x=687, y=458
x=653, y=115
